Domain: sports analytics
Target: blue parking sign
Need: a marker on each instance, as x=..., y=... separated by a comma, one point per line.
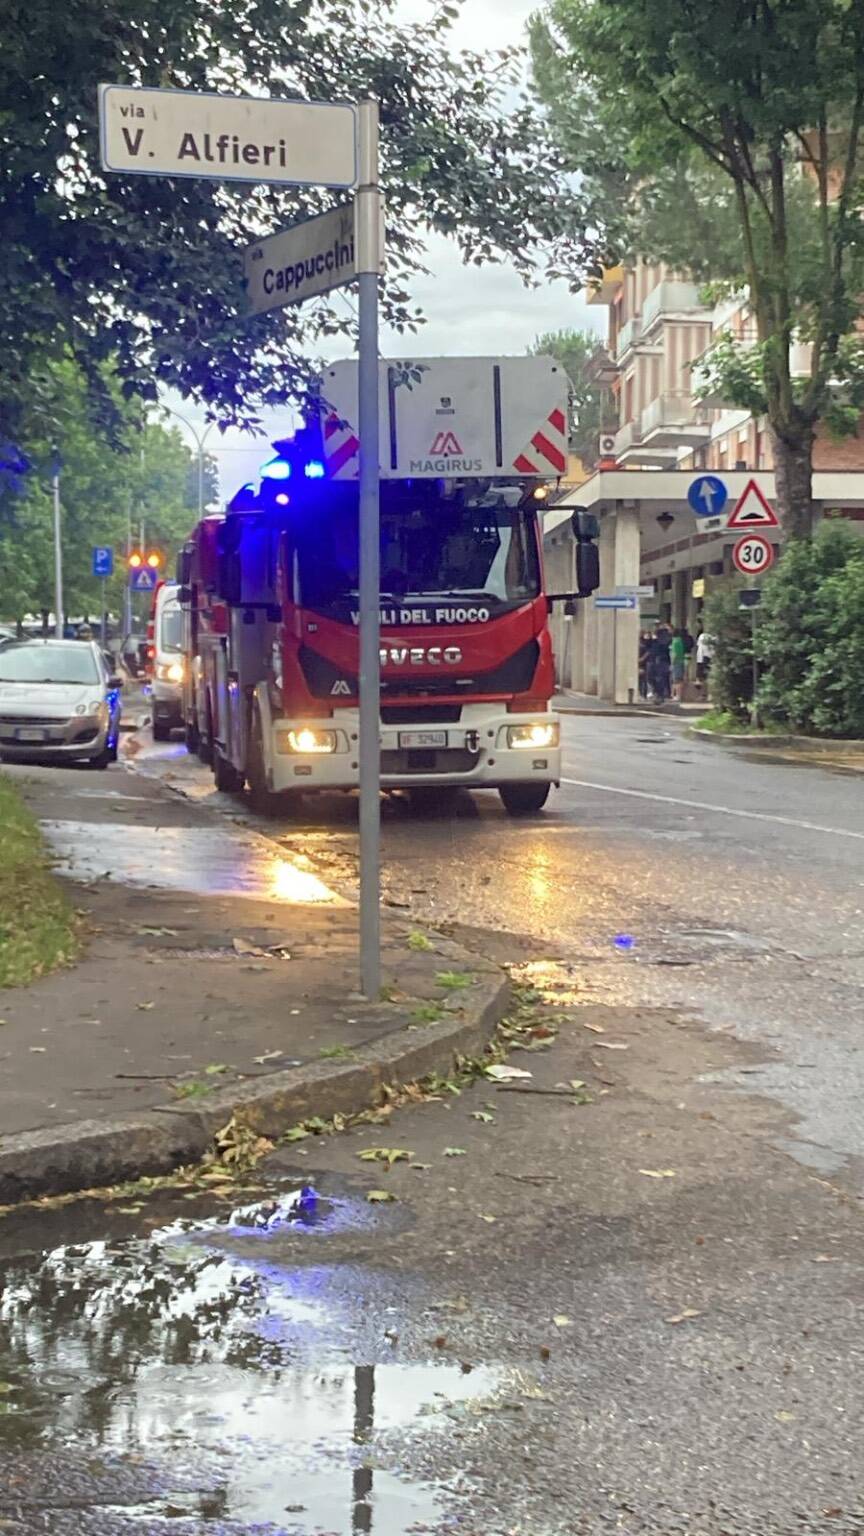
x=103, y=560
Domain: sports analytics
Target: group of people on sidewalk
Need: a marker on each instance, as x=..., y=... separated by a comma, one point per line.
x=666, y=657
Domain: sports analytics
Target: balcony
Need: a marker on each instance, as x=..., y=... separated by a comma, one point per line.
x=669, y=422
x=710, y=391
x=672, y=300
x=627, y=337
x=632, y=453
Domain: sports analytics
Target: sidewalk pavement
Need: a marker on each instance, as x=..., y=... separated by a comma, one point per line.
x=571, y=703
x=210, y=983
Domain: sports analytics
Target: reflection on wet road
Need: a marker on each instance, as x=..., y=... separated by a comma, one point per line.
x=226, y=1371
x=207, y=860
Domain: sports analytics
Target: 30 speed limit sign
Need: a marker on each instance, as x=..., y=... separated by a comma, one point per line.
x=753, y=554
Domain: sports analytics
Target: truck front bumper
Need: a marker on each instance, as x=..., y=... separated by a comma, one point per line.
x=486, y=749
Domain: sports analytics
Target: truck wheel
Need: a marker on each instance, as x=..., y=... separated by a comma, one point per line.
x=228, y=780
x=524, y=799
x=161, y=731
x=261, y=798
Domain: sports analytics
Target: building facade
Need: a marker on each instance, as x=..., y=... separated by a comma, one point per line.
x=671, y=428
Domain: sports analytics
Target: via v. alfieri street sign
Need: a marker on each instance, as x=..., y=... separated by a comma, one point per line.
x=151, y=132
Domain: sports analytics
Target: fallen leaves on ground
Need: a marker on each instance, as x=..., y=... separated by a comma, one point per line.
x=379, y=1197
x=267, y=1056
x=610, y=1045
x=145, y=1007
x=483, y=1115
x=596, y=1029
x=454, y=1152
x=561, y=1320
x=505, y=1074
x=658, y=1173
x=388, y=1155
x=684, y=1316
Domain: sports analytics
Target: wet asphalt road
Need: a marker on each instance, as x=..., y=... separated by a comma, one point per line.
x=638, y=1313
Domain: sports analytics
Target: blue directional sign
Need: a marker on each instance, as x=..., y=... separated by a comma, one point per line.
x=103, y=560
x=626, y=600
x=143, y=578
x=707, y=496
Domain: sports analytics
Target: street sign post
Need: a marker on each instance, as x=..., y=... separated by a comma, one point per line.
x=751, y=510
x=103, y=567
x=753, y=554
x=146, y=132
x=332, y=144
x=707, y=495
x=302, y=261
x=617, y=600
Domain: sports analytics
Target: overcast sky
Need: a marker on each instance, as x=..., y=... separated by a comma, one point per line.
x=469, y=310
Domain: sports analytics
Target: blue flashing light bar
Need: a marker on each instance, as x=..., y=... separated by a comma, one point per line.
x=276, y=469
x=314, y=470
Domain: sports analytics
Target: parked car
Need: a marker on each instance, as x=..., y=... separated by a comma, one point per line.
x=58, y=702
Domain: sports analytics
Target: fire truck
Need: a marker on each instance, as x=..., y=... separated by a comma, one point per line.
x=468, y=450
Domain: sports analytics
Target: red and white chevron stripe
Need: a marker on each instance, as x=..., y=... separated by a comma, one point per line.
x=341, y=447
x=546, y=454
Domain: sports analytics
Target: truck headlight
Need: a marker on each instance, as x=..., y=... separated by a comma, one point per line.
x=97, y=709
x=169, y=671
x=533, y=737
x=305, y=740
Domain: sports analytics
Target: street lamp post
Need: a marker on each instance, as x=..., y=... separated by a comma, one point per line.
x=200, y=439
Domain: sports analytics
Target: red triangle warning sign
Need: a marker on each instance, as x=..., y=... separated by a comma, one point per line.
x=752, y=510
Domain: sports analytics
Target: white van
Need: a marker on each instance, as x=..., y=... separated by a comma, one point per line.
x=168, y=662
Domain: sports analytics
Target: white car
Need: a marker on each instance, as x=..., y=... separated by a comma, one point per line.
x=58, y=702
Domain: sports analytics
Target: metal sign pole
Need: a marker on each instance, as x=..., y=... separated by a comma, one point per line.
x=58, y=550
x=367, y=243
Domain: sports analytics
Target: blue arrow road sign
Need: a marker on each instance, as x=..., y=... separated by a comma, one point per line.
x=628, y=600
x=103, y=560
x=143, y=579
x=707, y=496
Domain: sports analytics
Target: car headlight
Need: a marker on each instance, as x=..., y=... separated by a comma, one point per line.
x=305, y=740
x=169, y=671
x=95, y=707
x=532, y=737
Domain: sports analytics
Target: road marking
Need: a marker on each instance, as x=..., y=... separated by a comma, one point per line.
x=721, y=810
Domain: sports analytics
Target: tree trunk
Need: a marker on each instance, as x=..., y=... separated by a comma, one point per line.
x=793, y=469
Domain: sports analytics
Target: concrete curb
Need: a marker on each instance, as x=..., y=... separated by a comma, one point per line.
x=817, y=746
x=90, y=1154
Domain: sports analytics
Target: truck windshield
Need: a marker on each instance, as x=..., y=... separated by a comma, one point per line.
x=435, y=549
x=170, y=628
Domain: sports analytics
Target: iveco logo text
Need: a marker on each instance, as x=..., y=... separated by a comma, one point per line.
x=420, y=655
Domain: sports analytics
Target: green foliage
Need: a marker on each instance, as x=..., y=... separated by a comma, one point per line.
x=809, y=640
x=144, y=471
x=810, y=636
x=731, y=676
x=592, y=407
x=37, y=926
x=689, y=122
x=148, y=271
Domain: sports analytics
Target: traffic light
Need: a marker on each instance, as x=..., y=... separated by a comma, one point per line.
x=152, y=558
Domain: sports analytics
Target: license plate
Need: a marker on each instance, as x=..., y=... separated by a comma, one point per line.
x=29, y=733
x=422, y=738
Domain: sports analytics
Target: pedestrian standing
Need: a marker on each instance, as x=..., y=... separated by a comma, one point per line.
x=704, y=655
x=678, y=659
x=644, y=662
x=659, y=664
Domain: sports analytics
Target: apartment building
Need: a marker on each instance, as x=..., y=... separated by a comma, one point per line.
x=671, y=426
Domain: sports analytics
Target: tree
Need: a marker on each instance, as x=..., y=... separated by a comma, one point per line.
x=591, y=405
x=767, y=98
x=148, y=271
x=104, y=490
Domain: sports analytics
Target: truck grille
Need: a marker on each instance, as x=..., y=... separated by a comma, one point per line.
x=422, y=714
x=428, y=760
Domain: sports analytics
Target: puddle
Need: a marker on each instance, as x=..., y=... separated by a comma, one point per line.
x=224, y=1378
x=204, y=861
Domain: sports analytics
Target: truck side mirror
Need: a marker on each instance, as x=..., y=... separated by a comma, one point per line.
x=587, y=568
x=184, y=596
x=585, y=525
